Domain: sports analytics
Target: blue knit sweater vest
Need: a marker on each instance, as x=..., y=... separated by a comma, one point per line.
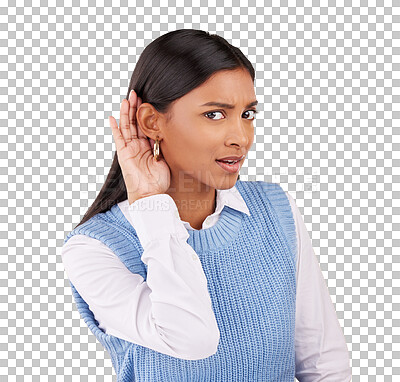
x=250, y=265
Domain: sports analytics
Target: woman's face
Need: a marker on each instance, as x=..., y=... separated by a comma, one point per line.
x=196, y=135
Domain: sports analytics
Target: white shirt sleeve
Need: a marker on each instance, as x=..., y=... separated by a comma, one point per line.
x=320, y=346
x=171, y=312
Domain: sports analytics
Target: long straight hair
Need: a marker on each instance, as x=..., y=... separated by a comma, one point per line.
x=168, y=68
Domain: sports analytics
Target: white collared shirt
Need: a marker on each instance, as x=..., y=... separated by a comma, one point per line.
x=123, y=305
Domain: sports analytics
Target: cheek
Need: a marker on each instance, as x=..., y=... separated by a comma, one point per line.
x=184, y=149
x=192, y=146
x=251, y=140
x=194, y=143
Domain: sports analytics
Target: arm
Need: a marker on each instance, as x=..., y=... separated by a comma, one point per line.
x=171, y=312
x=321, y=350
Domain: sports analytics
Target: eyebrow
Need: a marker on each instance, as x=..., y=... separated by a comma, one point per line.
x=227, y=105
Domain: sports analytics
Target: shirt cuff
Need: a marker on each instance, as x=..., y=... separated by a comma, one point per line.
x=156, y=215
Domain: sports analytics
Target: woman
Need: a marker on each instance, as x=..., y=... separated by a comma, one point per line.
x=182, y=271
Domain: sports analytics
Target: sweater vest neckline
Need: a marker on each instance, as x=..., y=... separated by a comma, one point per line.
x=221, y=233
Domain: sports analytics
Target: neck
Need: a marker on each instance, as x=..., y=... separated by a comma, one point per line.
x=194, y=206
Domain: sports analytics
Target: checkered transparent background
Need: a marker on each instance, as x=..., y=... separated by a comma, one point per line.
x=327, y=79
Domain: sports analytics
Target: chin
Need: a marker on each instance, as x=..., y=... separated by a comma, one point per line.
x=227, y=183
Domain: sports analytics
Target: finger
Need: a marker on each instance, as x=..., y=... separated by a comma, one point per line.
x=118, y=138
x=140, y=132
x=132, y=113
x=124, y=124
x=151, y=143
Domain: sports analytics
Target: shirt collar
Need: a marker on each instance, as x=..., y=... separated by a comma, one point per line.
x=230, y=197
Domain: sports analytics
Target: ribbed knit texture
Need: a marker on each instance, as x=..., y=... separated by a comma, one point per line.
x=250, y=265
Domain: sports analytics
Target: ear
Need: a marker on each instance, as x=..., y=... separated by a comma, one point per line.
x=146, y=119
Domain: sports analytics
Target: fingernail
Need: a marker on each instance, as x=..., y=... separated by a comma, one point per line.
x=130, y=93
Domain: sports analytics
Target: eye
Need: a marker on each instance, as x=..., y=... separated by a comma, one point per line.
x=216, y=119
x=254, y=115
x=213, y=112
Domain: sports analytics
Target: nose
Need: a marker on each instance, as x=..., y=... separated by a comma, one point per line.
x=240, y=133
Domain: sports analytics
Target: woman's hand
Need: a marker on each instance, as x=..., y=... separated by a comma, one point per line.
x=143, y=175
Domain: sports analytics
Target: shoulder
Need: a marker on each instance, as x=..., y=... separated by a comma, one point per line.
x=82, y=241
x=81, y=249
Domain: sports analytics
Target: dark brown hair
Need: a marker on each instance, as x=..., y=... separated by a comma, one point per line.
x=168, y=68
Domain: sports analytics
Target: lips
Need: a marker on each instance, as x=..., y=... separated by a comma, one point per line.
x=231, y=158
x=232, y=168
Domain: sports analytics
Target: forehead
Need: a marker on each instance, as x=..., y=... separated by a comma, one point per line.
x=229, y=86
x=226, y=81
